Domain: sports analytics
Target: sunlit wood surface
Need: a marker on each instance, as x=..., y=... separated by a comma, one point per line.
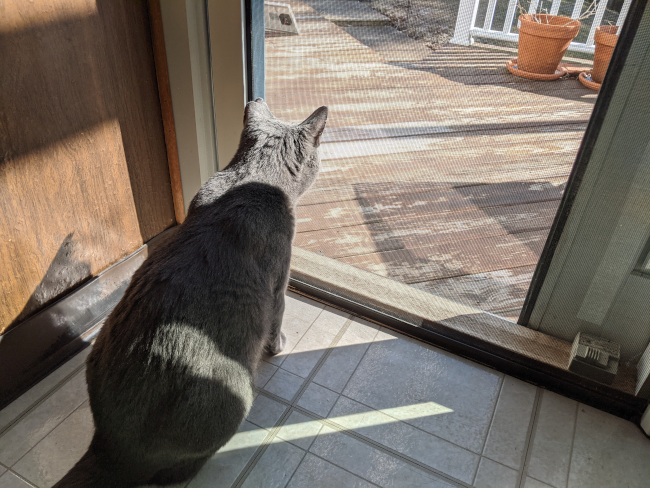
x=441, y=170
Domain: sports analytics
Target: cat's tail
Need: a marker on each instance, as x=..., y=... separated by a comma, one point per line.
x=90, y=472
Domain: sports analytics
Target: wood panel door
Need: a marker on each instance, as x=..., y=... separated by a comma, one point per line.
x=84, y=179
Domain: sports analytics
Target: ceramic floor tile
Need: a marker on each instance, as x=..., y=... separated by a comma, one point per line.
x=264, y=372
x=495, y=475
x=42, y=420
x=608, y=451
x=314, y=472
x=397, y=373
x=331, y=320
x=284, y=384
x=10, y=480
x=36, y=392
x=294, y=327
x=533, y=483
x=346, y=355
x=275, y=467
x=265, y=412
x=551, y=448
x=224, y=467
x=2, y=470
x=300, y=306
x=405, y=439
x=53, y=457
x=370, y=463
x=506, y=442
x=314, y=342
x=318, y=400
x=300, y=430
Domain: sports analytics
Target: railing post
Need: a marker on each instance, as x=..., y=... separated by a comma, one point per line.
x=464, y=22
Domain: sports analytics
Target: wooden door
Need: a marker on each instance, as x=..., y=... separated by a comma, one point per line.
x=84, y=179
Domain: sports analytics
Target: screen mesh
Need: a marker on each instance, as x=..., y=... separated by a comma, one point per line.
x=443, y=164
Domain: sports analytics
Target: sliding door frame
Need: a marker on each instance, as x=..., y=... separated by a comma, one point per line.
x=610, y=83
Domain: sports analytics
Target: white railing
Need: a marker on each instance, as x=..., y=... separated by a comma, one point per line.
x=466, y=20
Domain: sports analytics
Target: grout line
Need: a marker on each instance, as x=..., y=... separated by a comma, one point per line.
x=43, y=398
x=52, y=429
x=250, y=465
x=315, y=437
x=299, y=464
x=530, y=438
x=361, y=360
x=410, y=425
x=322, y=360
x=494, y=409
x=499, y=462
x=346, y=470
x=22, y=478
x=287, y=353
x=487, y=434
x=380, y=447
x=55, y=427
x=573, y=439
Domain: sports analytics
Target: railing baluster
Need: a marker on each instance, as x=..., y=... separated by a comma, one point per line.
x=489, y=14
x=510, y=14
x=577, y=9
x=465, y=21
x=598, y=18
x=555, y=6
x=623, y=14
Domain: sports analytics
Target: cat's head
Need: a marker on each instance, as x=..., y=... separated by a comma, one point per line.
x=279, y=153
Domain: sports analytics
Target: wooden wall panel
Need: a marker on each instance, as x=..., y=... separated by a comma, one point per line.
x=84, y=179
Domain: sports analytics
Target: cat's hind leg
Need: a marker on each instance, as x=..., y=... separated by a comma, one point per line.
x=278, y=344
x=277, y=340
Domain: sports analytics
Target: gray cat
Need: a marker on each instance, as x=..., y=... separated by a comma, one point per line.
x=170, y=377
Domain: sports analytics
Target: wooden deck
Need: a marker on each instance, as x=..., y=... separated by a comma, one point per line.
x=439, y=169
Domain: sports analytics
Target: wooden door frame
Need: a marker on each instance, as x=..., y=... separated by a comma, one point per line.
x=175, y=52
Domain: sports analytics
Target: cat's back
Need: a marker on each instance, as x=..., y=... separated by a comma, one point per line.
x=196, y=314
x=227, y=254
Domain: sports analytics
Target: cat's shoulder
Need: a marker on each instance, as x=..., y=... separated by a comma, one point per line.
x=260, y=207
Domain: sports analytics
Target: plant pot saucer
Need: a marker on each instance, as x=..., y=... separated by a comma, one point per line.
x=559, y=72
x=585, y=79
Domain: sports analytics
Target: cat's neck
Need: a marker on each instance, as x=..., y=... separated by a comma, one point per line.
x=230, y=177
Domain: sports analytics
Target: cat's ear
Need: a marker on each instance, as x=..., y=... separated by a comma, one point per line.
x=315, y=124
x=256, y=110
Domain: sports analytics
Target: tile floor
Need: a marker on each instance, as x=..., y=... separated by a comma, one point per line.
x=351, y=404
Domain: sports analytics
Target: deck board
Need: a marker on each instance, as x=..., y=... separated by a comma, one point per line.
x=439, y=168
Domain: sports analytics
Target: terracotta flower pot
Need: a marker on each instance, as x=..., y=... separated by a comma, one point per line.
x=542, y=44
x=605, y=39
